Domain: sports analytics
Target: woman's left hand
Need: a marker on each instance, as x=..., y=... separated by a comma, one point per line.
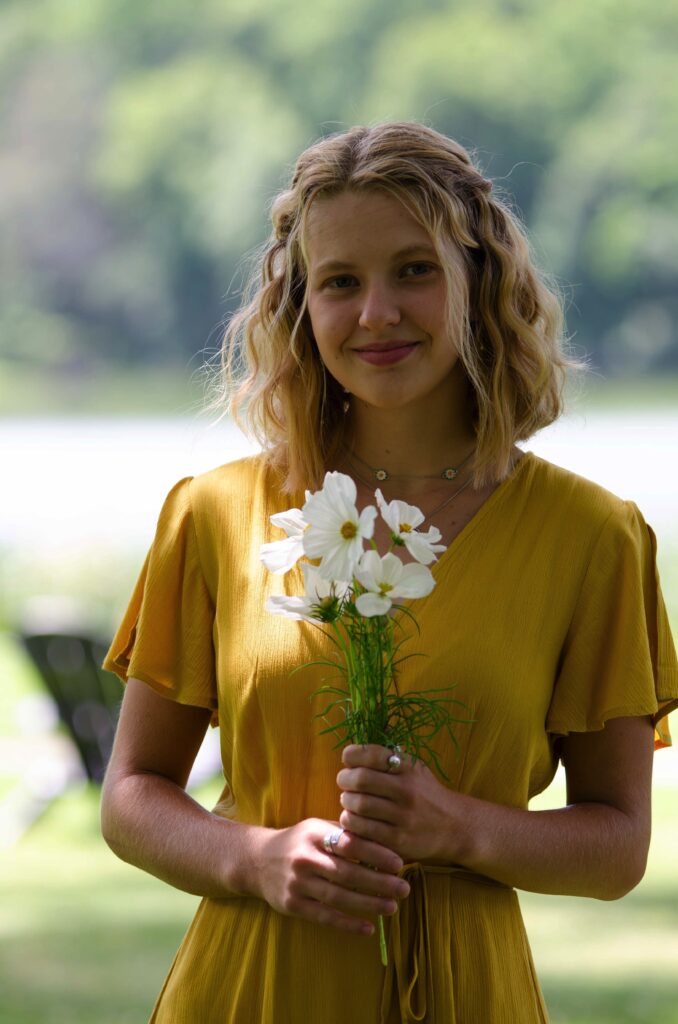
x=403, y=807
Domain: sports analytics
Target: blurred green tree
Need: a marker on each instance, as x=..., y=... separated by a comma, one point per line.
x=142, y=144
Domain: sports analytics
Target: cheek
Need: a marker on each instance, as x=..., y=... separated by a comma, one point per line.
x=331, y=328
x=429, y=310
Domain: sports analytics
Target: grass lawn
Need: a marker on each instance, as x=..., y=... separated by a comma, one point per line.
x=612, y=962
x=87, y=939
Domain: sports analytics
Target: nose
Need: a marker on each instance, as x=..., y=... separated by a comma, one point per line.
x=379, y=309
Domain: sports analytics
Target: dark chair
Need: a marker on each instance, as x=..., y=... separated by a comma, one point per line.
x=88, y=698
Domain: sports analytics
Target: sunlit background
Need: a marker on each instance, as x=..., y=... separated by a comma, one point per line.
x=140, y=147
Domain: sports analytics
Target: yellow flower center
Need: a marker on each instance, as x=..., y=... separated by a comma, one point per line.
x=348, y=530
x=385, y=587
x=405, y=528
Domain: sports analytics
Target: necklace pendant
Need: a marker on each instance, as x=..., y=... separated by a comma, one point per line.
x=381, y=474
x=449, y=473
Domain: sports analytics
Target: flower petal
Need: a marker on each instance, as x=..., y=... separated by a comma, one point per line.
x=336, y=497
x=396, y=513
x=342, y=487
x=291, y=607
x=387, y=512
x=280, y=555
x=315, y=587
x=421, y=547
x=432, y=536
x=292, y=521
x=409, y=514
x=368, y=570
x=366, y=521
x=373, y=604
x=340, y=562
x=391, y=569
x=416, y=581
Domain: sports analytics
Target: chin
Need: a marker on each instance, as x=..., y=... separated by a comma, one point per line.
x=388, y=402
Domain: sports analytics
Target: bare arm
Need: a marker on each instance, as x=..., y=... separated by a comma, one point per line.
x=595, y=846
x=147, y=818
x=150, y=821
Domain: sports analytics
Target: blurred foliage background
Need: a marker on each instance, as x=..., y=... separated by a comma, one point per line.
x=140, y=147
x=142, y=143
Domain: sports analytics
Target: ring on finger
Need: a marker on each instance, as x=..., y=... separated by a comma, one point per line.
x=331, y=840
x=394, y=760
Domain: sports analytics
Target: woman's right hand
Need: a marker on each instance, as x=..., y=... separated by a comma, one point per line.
x=347, y=889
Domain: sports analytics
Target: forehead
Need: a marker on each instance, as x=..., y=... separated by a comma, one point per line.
x=355, y=225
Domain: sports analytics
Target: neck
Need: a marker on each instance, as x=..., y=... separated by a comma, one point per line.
x=412, y=442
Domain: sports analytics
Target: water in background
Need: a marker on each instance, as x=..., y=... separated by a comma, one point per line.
x=82, y=482
x=70, y=486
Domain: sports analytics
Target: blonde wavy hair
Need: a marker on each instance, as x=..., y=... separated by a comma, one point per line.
x=505, y=320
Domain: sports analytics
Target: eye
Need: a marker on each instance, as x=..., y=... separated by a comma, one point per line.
x=336, y=282
x=345, y=281
x=421, y=268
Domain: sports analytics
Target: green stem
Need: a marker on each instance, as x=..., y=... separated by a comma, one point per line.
x=347, y=649
x=382, y=942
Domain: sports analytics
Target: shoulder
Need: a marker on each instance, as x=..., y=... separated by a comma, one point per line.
x=575, y=519
x=236, y=482
x=230, y=474
x=237, y=494
x=560, y=494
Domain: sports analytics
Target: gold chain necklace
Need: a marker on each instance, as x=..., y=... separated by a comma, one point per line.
x=381, y=474
x=439, y=507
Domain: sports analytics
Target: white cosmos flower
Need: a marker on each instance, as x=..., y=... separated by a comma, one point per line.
x=321, y=601
x=280, y=555
x=402, y=520
x=386, y=579
x=336, y=531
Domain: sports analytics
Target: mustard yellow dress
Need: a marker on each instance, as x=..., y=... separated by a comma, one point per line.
x=547, y=618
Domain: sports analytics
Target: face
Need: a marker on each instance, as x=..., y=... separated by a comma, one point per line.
x=376, y=301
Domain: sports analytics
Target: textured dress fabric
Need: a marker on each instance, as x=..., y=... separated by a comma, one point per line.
x=547, y=618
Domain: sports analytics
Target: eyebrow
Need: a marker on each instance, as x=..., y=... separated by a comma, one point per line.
x=409, y=250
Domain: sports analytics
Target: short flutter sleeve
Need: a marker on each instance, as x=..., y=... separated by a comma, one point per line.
x=618, y=659
x=166, y=634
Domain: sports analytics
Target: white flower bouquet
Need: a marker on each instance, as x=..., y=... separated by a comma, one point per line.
x=355, y=593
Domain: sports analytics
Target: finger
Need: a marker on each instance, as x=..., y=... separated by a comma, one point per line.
x=359, y=850
x=361, y=878
x=353, y=902
x=347, y=887
x=367, y=780
x=321, y=913
x=371, y=755
x=378, y=758
x=369, y=806
x=374, y=831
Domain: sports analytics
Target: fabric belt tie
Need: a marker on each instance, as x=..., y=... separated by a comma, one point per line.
x=410, y=967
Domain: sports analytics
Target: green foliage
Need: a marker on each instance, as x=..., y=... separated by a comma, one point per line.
x=369, y=708
x=144, y=142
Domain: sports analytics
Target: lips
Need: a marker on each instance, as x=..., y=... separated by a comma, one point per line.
x=386, y=346
x=386, y=353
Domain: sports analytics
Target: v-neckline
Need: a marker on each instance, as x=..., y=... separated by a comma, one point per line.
x=460, y=538
x=455, y=544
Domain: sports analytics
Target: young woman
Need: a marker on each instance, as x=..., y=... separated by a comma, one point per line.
x=399, y=332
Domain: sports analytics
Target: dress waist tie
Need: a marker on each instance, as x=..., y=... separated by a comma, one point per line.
x=409, y=966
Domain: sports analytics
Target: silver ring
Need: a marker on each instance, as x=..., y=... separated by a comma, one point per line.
x=331, y=839
x=394, y=761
